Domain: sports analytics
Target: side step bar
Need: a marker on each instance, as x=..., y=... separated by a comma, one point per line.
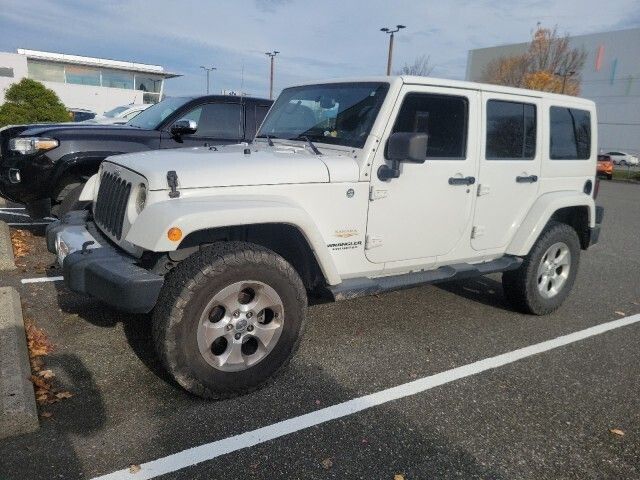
x=359, y=287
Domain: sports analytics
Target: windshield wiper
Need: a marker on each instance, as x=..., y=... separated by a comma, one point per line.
x=268, y=137
x=313, y=148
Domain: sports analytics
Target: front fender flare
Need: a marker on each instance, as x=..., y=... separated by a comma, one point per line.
x=540, y=213
x=149, y=230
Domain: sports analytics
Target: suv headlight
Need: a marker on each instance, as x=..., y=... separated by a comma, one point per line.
x=141, y=198
x=27, y=145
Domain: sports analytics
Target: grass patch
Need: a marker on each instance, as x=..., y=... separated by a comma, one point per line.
x=626, y=175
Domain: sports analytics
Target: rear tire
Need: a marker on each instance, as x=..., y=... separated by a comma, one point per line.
x=547, y=274
x=228, y=319
x=609, y=176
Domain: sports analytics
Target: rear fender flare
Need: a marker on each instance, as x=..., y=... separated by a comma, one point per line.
x=540, y=214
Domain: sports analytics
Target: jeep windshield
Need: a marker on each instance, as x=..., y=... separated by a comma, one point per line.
x=335, y=113
x=153, y=116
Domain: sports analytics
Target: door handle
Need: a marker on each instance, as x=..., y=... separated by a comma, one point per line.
x=462, y=180
x=527, y=179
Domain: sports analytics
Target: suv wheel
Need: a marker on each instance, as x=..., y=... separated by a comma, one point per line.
x=547, y=274
x=68, y=198
x=229, y=318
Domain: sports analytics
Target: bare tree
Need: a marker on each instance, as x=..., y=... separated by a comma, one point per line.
x=421, y=66
x=549, y=64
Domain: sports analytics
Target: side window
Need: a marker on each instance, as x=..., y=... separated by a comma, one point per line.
x=193, y=115
x=442, y=117
x=570, y=137
x=511, y=130
x=218, y=120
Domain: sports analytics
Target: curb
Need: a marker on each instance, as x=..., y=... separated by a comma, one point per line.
x=7, y=261
x=18, y=412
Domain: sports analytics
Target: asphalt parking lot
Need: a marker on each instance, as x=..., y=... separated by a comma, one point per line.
x=546, y=416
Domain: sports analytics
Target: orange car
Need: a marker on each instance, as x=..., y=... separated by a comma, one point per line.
x=605, y=166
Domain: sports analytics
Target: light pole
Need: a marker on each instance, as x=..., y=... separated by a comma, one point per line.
x=391, y=34
x=271, y=55
x=208, y=69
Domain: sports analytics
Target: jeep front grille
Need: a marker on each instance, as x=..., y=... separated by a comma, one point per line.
x=111, y=204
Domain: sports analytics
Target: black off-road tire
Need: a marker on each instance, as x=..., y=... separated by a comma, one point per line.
x=70, y=200
x=186, y=292
x=521, y=286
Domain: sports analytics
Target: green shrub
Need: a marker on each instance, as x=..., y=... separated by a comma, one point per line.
x=29, y=101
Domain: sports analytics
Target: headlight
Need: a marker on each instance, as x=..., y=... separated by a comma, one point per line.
x=27, y=145
x=141, y=198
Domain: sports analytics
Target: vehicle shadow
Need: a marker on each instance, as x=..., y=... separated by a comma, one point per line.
x=484, y=290
x=35, y=454
x=375, y=443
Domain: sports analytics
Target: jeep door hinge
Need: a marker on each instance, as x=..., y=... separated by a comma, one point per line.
x=377, y=193
x=477, y=231
x=483, y=189
x=372, y=241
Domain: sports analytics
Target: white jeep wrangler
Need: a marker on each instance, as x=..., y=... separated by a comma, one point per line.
x=351, y=187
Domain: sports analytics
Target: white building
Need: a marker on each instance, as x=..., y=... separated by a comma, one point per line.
x=95, y=84
x=610, y=77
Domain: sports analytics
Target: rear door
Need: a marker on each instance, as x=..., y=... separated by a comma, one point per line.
x=510, y=162
x=218, y=124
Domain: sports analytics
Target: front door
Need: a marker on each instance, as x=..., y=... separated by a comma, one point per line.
x=509, y=168
x=424, y=212
x=218, y=124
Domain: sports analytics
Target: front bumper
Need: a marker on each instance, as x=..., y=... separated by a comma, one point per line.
x=100, y=269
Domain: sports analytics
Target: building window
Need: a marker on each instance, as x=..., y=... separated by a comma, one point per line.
x=117, y=79
x=442, y=117
x=45, y=71
x=6, y=72
x=511, y=130
x=148, y=83
x=570, y=134
x=82, y=75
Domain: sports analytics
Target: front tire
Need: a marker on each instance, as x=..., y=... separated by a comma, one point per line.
x=228, y=319
x=545, y=278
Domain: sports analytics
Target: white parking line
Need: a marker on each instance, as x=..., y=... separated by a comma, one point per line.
x=11, y=208
x=16, y=224
x=41, y=279
x=209, y=451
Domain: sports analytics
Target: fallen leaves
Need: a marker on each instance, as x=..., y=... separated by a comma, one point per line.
x=398, y=476
x=134, y=468
x=616, y=431
x=42, y=378
x=20, y=240
x=618, y=312
x=327, y=463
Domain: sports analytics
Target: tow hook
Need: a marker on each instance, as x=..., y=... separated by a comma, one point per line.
x=85, y=247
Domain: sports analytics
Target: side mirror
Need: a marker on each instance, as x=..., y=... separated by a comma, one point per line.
x=407, y=147
x=403, y=147
x=184, y=127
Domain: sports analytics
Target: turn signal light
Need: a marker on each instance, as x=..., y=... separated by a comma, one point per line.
x=174, y=234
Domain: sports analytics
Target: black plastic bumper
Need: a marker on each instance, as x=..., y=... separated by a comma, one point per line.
x=106, y=273
x=594, y=233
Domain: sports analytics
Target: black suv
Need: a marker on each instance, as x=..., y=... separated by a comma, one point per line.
x=44, y=166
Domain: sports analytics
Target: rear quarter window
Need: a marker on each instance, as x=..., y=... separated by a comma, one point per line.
x=570, y=135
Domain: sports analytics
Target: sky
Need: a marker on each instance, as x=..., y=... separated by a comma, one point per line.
x=316, y=39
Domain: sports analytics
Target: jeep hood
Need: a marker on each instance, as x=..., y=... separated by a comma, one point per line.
x=227, y=166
